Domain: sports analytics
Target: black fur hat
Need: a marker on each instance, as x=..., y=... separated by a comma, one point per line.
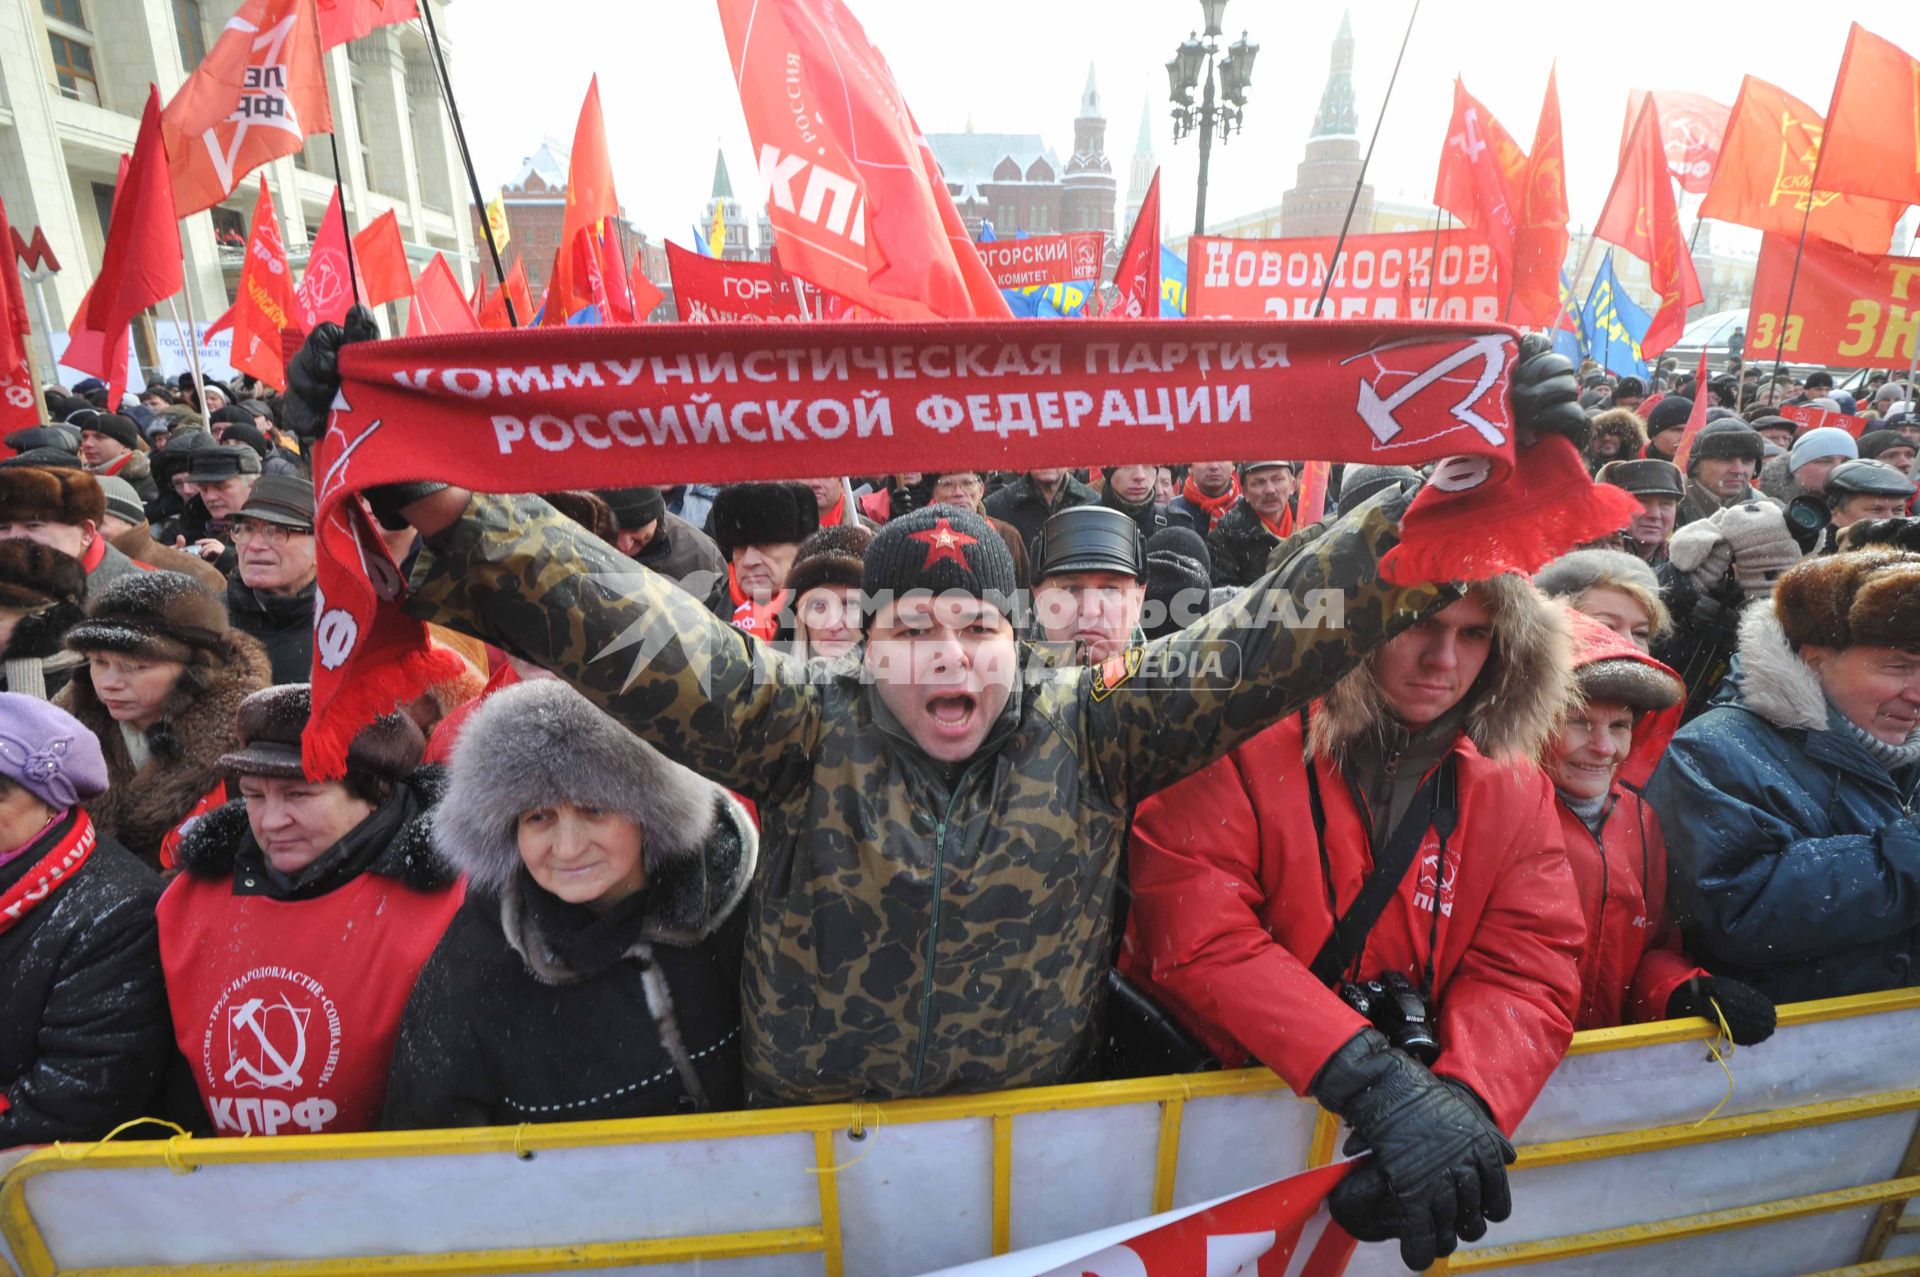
x=746, y=514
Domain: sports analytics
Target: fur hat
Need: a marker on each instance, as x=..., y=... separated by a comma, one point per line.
x=541, y=742
x=1869, y=596
x=1648, y=477
x=1581, y=570
x=1515, y=706
x=1608, y=668
x=33, y=576
x=1625, y=425
x=831, y=556
x=746, y=514
x=50, y=495
x=270, y=723
x=166, y=616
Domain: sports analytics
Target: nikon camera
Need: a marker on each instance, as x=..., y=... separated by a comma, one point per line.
x=1399, y=1011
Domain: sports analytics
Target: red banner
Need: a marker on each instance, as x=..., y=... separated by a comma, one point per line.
x=1045, y=259
x=1850, y=310
x=1813, y=418
x=557, y=408
x=1386, y=276
x=711, y=290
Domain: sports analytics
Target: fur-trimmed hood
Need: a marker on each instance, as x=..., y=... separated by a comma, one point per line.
x=211, y=843
x=1513, y=709
x=199, y=722
x=541, y=741
x=1773, y=681
x=1623, y=424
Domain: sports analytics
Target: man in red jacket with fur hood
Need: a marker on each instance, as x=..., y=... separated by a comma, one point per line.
x=1423, y=756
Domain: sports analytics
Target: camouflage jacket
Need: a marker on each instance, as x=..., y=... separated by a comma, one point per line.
x=914, y=929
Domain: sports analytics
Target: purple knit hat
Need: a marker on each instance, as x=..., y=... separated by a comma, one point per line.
x=48, y=752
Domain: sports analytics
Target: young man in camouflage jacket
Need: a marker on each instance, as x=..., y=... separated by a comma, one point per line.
x=940, y=840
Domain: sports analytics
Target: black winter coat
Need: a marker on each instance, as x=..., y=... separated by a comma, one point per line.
x=1021, y=504
x=686, y=554
x=282, y=622
x=503, y=1029
x=84, y=1029
x=1240, y=545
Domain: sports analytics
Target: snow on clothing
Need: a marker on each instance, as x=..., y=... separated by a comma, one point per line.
x=84, y=1035
x=283, y=623
x=161, y=775
x=1230, y=901
x=1022, y=504
x=1794, y=852
x=914, y=929
x=1241, y=542
x=286, y=993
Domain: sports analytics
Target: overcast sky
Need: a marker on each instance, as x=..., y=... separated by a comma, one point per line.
x=520, y=71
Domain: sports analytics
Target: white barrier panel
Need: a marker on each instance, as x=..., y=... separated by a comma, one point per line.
x=1616, y=1141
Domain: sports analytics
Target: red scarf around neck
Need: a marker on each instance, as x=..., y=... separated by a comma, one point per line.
x=762, y=620
x=1216, y=507
x=535, y=410
x=69, y=851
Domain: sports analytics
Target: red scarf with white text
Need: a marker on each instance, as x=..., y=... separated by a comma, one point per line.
x=70, y=850
x=535, y=410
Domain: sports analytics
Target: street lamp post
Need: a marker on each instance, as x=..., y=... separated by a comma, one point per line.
x=1193, y=61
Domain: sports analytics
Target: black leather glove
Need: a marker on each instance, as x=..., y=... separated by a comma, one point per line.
x=313, y=378
x=1902, y=534
x=389, y=499
x=1442, y=1159
x=1546, y=395
x=1749, y=1012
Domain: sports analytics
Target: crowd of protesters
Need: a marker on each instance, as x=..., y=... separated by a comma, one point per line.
x=935, y=783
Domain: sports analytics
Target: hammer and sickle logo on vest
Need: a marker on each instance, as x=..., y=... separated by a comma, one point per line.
x=267, y=1043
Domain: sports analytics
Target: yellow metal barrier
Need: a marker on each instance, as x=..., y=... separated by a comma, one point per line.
x=822, y=1122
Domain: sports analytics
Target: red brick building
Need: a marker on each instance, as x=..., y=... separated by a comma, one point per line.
x=1015, y=180
x=536, y=204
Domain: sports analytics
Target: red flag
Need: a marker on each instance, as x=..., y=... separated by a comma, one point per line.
x=265, y=300
x=253, y=98
x=590, y=200
x=858, y=205
x=382, y=258
x=494, y=313
x=1138, y=276
x=478, y=302
x=1872, y=141
x=13, y=299
x=344, y=20
x=1702, y=400
x=142, y=263
x=1642, y=217
x=646, y=294
x=1691, y=128
x=1766, y=176
x=1482, y=175
x=613, y=274
x=1540, y=251
x=1312, y=502
x=438, y=304
x=326, y=291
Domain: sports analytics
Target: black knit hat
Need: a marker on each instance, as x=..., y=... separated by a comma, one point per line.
x=831, y=556
x=746, y=514
x=1671, y=411
x=940, y=549
x=115, y=427
x=1728, y=437
x=634, y=508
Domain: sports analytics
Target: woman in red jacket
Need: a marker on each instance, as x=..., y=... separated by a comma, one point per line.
x=1240, y=871
x=1632, y=967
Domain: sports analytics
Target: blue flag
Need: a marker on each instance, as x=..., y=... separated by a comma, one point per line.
x=1173, y=284
x=986, y=232
x=1571, y=342
x=700, y=244
x=1615, y=324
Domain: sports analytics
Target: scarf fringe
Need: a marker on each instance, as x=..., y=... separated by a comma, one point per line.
x=392, y=685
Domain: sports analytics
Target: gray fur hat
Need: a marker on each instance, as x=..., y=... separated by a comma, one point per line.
x=1580, y=570
x=541, y=741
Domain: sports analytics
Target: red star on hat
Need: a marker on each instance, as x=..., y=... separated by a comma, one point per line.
x=944, y=541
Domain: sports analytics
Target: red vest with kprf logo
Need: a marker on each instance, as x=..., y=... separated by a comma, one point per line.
x=287, y=1010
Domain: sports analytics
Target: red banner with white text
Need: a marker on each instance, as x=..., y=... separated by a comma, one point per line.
x=711, y=290
x=550, y=409
x=1045, y=259
x=1850, y=310
x=1388, y=276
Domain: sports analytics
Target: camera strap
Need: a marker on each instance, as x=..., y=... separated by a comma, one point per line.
x=1435, y=805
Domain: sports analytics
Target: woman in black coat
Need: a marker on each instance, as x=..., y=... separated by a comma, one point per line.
x=84, y=1031
x=594, y=970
